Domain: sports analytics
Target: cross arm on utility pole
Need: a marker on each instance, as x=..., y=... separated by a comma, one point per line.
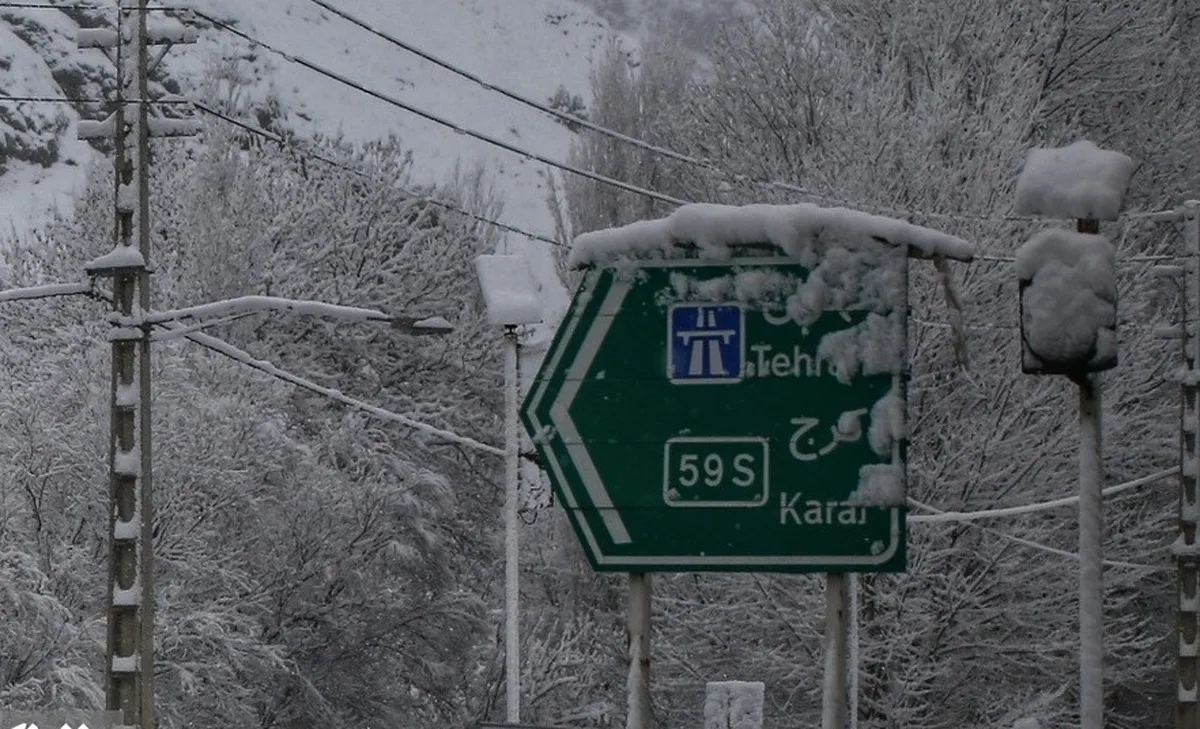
x=47, y=291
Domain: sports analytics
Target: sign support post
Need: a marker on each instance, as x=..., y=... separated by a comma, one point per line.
x=638, y=716
x=833, y=713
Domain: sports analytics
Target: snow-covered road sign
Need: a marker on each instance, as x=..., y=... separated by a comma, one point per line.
x=687, y=422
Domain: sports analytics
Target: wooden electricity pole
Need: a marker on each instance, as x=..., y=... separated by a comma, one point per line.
x=129, y=654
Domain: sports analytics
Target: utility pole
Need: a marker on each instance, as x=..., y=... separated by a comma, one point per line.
x=129, y=654
x=1187, y=553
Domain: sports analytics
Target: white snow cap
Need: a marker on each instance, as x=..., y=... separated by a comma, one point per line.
x=794, y=229
x=879, y=484
x=1069, y=315
x=1077, y=181
x=122, y=256
x=508, y=290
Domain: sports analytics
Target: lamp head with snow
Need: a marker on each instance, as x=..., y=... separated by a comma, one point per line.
x=509, y=290
x=1068, y=303
x=422, y=326
x=1067, y=279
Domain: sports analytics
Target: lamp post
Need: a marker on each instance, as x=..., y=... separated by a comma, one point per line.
x=1067, y=294
x=508, y=292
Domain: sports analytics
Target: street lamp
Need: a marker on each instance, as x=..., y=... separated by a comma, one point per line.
x=508, y=292
x=422, y=327
x=416, y=326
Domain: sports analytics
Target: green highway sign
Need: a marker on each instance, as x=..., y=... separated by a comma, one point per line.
x=687, y=423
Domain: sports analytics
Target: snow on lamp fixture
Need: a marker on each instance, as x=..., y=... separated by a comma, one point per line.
x=1068, y=303
x=1066, y=279
x=1067, y=288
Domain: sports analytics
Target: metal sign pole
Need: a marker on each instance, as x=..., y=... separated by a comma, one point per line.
x=512, y=573
x=639, y=652
x=833, y=711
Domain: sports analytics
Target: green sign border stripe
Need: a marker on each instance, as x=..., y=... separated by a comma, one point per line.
x=535, y=411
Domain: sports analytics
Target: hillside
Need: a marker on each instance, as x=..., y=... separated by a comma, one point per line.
x=529, y=47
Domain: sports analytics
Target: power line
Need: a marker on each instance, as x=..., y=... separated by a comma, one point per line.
x=81, y=6
x=354, y=170
x=429, y=116
x=52, y=99
x=1127, y=259
x=1046, y=548
x=653, y=148
x=967, y=516
x=571, y=118
x=87, y=100
x=222, y=347
x=52, y=6
x=511, y=228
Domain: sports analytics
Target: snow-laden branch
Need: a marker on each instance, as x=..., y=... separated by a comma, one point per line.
x=46, y=291
x=964, y=516
x=222, y=347
x=267, y=303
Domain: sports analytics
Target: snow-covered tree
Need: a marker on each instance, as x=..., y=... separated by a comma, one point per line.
x=926, y=111
x=314, y=565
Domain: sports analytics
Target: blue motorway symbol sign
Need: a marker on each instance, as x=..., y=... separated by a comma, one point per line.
x=707, y=343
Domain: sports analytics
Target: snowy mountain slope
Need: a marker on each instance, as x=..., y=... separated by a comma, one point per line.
x=41, y=162
x=693, y=21
x=531, y=47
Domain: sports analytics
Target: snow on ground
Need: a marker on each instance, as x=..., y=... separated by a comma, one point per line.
x=530, y=47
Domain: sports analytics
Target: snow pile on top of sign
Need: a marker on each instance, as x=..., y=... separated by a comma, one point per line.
x=797, y=230
x=1069, y=309
x=1077, y=181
